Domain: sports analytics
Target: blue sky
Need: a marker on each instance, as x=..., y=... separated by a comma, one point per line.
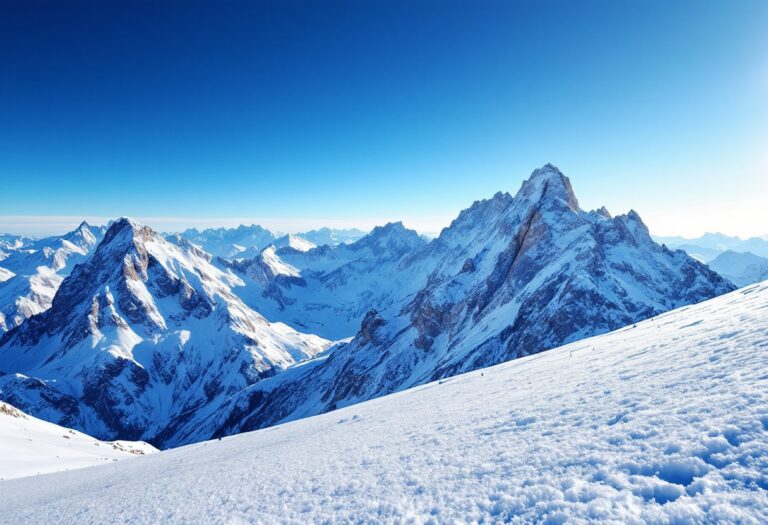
x=297, y=114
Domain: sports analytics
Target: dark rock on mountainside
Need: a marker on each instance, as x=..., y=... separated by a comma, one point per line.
x=510, y=277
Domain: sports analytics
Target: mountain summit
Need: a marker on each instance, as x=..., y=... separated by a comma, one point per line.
x=142, y=332
x=510, y=277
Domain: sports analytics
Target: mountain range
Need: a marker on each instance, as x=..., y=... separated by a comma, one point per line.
x=31, y=271
x=151, y=337
x=141, y=332
x=510, y=277
x=707, y=247
x=660, y=422
x=741, y=268
x=248, y=241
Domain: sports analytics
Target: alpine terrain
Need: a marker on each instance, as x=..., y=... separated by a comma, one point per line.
x=665, y=421
x=510, y=277
x=143, y=331
x=32, y=270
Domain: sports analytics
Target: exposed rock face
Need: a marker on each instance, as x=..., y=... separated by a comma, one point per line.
x=158, y=340
x=510, y=277
x=140, y=333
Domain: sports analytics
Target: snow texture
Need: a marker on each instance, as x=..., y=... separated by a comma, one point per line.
x=30, y=446
x=665, y=421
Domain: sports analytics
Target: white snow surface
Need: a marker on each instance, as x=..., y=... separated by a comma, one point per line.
x=665, y=421
x=31, y=446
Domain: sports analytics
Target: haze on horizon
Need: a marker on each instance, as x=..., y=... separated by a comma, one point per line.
x=351, y=114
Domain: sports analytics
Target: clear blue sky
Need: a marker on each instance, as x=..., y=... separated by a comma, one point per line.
x=361, y=111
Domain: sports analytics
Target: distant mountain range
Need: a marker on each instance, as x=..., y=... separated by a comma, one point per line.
x=741, y=268
x=743, y=262
x=707, y=247
x=154, y=337
x=31, y=270
x=248, y=241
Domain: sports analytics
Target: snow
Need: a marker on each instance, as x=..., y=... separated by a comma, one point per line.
x=34, y=269
x=276, y=265
x=296, y=242
x=665, y=421
x=193, y=342
x=31, y=446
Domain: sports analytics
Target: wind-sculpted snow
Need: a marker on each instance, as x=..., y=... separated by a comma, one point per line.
x=142, y=332
x=31, y=271
x=662, y=422
x=30, y=446
x=510, y=277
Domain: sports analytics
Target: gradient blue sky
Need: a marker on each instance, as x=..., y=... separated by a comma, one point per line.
x=297, y=114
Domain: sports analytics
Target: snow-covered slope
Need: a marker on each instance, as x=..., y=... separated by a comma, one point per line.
x=31, y=446
x=510, y=277
x=143, y=332
x=32, y=270
x=295, y=242
x=327, y=290
x=741, y=268
x=662, y=422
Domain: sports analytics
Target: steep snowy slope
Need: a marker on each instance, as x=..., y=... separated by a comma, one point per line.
x=295, y=242
x=741, y=268
x=141, y=333
x=663, y=422
x=510, y=277
x=328, y=290
x=31, y=446
x=32, y=271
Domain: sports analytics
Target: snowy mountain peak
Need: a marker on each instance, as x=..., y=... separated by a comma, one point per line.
x=293, y=241
x=604, y=212
x=144, y=319
x=549, y=183
x=84, y=236
x=392, y=237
